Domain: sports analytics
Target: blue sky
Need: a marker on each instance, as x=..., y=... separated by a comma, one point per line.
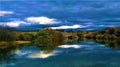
x=103, y=13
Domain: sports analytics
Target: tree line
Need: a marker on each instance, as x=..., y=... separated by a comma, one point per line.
x=107, y=34
x=51, y=35
x=46, y=36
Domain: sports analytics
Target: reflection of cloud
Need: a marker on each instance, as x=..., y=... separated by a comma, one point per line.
x=2, y=13
x=41, y=20
x=42, y=54
x=22, y=53
x=69, y=46
x=68, y=27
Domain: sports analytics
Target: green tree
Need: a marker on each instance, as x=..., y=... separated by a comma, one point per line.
x=6, y=35
x=43, y=38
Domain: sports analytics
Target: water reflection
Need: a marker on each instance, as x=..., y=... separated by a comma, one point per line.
x=9, y=51
x=110, y=43
x=42, y=54
x=70, y=46
x=115, y=44
x=46, y=54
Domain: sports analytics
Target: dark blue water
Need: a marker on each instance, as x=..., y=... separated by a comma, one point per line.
x=75, y=54
x=60, y=14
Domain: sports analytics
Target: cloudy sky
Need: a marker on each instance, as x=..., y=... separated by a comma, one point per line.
x=60, y=14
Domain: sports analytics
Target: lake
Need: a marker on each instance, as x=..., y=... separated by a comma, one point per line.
x=71, y=54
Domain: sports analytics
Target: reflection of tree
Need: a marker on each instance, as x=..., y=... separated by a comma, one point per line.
x=110, y=43
x=7, y=50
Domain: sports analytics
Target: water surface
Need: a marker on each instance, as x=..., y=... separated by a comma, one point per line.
x=73, y=54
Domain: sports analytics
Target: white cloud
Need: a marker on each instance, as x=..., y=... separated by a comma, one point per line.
x=30, y=20
x=41, y=20
x=13, y=23
x=70, y=46
x=68, y=27
x=2, y=13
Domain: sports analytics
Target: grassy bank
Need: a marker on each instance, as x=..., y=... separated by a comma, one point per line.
x=49, y=36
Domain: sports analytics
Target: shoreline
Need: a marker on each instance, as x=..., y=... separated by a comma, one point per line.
x=111, y=33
